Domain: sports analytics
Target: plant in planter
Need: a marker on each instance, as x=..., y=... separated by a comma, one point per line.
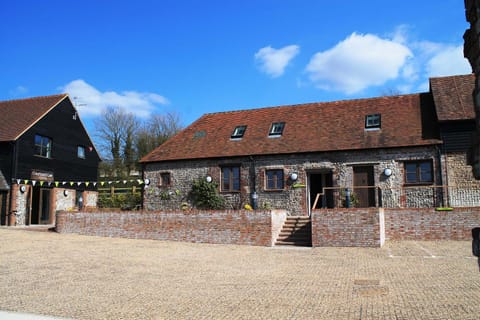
x=353, y=199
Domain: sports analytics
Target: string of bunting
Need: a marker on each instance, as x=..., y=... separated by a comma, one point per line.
x=79, y=183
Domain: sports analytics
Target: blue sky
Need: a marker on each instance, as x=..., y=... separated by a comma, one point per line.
x=196, y=57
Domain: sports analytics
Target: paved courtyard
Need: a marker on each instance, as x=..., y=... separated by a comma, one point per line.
x=84, y=277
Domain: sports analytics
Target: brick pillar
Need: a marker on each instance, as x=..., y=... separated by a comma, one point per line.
x=12, y=221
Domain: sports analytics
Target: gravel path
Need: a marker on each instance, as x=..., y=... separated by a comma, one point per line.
x=83, y=277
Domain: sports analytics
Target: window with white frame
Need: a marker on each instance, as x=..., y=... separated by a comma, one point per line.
x=373, y=121
x=43, y=146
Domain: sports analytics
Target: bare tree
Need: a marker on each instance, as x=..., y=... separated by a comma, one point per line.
x=115, y=130
x=389, y=92
x=158, y=129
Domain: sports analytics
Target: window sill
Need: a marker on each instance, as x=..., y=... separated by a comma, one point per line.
x=418, y=184
x=43, y=157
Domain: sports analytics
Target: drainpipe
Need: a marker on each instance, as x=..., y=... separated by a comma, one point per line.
x=444, y=189
x=254, y=194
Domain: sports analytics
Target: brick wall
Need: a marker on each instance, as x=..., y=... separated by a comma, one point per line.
x=330, y=227
x=222, y=227
x=348, y=228
x=371, y=227
x=429, y=224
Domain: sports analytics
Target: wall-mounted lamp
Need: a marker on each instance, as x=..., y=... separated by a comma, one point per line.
x=146, y=181
x=294, y=176
x=387, y=172
x=65, y=192
x=208, y=179
x=23, y=188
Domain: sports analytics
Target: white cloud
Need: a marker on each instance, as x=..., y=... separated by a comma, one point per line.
x=90, y=101
x=358, y=62
x=447, y=60
x=274, y=61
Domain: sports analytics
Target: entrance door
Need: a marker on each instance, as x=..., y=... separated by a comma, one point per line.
x=3, y=208
x=363, y=186
x=40, y=206
x=316, y=184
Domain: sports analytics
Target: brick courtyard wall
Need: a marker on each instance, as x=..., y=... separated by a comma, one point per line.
x=429, y=224
x=348, y=228
x=221, y=227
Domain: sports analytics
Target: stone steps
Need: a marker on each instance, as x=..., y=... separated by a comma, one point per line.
x=296, y=231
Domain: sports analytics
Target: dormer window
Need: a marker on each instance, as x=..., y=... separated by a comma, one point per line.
x=238, y=132
x=276, y=129
x=373, y=121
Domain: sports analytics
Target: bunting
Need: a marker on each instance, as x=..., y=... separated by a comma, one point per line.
x=79, y=183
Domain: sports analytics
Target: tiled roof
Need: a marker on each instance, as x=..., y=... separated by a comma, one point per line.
x=19, y=115
x=3, y=182
x=312, y=127
x=453, y=97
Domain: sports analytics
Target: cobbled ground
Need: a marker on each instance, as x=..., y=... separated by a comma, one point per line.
x=82, y=277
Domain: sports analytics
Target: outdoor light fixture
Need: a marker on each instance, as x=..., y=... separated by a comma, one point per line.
x=146, y=181
x=65, y=192
x=23, y=188
x=208, y=179
x=294, y=176
x=387, y=172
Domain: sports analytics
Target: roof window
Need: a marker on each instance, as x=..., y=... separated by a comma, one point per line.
x=276, y=129
x=238, y=132
x=373, y=121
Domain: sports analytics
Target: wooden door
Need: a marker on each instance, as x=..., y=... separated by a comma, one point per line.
x=363, y=186
x=3, y=208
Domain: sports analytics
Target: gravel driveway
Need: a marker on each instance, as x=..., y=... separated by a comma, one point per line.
x=83, y=277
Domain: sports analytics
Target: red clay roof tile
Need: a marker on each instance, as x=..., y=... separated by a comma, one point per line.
x=312, y=127
x=19, y=115
x=453, y=97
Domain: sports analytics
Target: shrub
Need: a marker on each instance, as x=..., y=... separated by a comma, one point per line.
x=124, y=201
x=204, y=195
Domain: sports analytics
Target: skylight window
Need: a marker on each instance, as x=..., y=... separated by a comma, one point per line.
x=373, y=121
x=276, y=129
x=238, y=132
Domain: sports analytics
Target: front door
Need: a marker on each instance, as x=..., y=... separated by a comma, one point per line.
x=363, y=187
x=319, y=194
x=3, y=208
x=40, y=213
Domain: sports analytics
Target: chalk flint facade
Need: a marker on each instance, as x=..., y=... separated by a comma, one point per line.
x=46, y=156
x=396, y=151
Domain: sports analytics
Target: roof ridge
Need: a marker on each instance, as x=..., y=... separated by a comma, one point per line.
x=38, y=97
x=314, y=103
x=453, y=76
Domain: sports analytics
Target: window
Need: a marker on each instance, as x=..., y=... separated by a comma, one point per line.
x=165, y=179
x=274, y=179
x=373, y=121
x=43, y=146
x=417, y=172
x=81, y=152
x=276, y=129
x=238, y=132
x=231, y=179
